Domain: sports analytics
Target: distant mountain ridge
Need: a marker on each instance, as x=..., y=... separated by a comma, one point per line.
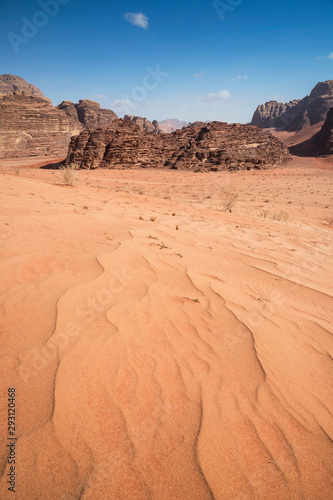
x=171, y=124
x=299, y=114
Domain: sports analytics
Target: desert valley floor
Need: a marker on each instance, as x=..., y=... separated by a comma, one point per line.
x=161, y=346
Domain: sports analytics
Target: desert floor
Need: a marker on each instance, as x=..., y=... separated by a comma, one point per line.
x=162, y=347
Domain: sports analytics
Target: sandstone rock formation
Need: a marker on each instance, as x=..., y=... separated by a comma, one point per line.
x=11, y=83
x=298, y=114
x=31, y=126
x=144, y=124
x=199, y=147
x=89, y=113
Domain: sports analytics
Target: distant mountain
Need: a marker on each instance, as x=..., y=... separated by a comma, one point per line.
x=171, y=125
x=299, y=114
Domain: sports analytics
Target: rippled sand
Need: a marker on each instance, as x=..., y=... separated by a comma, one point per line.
x=162, y=347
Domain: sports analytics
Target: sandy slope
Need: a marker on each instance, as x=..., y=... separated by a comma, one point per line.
x=161, y=347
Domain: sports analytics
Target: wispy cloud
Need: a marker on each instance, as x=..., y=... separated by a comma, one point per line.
x=212, y=98
x=330, y=56
x=221, y=95
x=245, y=77
x=119, y=104
x=199, y=75
x=137, y=19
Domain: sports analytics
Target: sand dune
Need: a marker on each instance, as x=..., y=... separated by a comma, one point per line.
x=162, y=347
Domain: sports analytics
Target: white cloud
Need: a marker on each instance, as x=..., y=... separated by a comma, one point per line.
x=330, y=56
x=123, y=104
x=245, y=77
x=199, y=75
x=137, y=19
x=221, y=95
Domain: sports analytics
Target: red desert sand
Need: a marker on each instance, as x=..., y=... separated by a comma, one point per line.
x=161, y=346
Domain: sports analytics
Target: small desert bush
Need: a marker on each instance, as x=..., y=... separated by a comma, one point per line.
x=281, y=216
x=329, y=221
x=68, y=175
x=228, y=200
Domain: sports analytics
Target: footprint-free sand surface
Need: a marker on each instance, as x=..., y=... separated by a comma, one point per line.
x=160, y=346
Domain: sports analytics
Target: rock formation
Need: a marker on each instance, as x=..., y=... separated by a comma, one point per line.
x=171, y=124
x=320, y=143
x=144, y=124
x=11, y=83
x=324, y=139
x=31, y=126
x=298, y=114
x=215, y=146
x=89, y=113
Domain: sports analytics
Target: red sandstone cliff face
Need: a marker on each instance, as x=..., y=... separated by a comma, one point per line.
x=199, y=147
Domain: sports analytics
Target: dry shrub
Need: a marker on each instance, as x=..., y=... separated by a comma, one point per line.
x=281, y=216
x=228, y=200
x=68, y=175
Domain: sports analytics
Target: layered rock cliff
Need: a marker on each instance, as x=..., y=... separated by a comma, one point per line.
x=298, y=114
x=216, y=146
x=88, y=113
x=31, y=126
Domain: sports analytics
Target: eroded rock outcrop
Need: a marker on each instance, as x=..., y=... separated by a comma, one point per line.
x=298, y=114
x=144, y=124
x=214, y=146
x=88, y=113
x=31, y=126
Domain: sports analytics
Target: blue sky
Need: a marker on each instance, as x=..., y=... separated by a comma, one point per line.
x=180, y=59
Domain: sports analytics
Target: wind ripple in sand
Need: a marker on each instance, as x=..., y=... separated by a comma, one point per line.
x=173, y=377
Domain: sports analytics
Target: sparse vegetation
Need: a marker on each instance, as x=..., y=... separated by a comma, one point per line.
x=329, y=221
x=68, y=175
x=281, y=216
x=228, y=200
x=193, y=300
